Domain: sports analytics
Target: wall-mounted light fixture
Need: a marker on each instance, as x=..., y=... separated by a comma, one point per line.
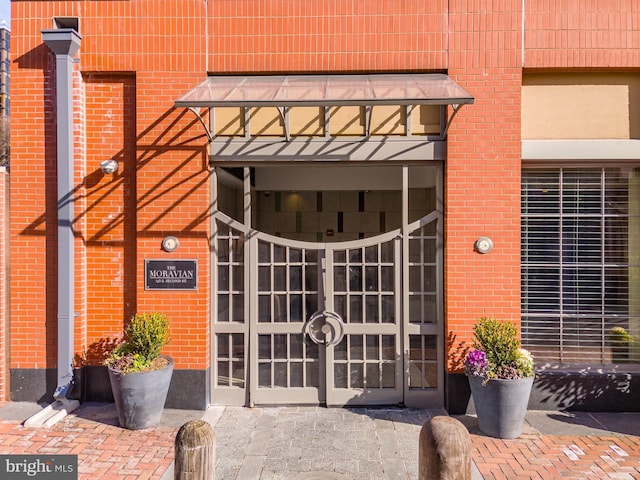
x=170, y=243
x=484, y=245
x=109, y=166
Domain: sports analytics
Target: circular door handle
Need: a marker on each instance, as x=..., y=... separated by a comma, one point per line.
x=325, y=328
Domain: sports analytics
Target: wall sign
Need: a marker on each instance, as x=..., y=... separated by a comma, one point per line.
x=170, y=274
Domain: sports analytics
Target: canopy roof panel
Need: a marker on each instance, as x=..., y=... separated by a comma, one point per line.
x=326, y=90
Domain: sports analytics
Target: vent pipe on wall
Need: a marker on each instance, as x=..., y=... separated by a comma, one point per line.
x=64, y=42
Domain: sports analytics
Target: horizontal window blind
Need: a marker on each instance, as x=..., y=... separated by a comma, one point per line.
x=581, y=264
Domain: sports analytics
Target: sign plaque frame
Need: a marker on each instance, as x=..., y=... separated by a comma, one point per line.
x=169, y=274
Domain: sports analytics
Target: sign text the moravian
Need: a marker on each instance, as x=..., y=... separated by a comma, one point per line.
x=171, y=274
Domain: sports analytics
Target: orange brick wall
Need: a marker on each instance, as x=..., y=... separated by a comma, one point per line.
x=563, y=34
x=482, y=171
x=4, y=288
x=137, y=57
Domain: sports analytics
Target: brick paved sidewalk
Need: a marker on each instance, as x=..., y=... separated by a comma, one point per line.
x=108, y=452
x=557, y=457
x=105, y=452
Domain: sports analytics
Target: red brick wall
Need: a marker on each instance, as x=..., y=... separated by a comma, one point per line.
x=138, y=57
x=4, y=288
x=482, y=171
x=582, y=34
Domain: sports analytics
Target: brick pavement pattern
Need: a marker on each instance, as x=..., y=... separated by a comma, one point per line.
x=548, y=457
x=105, y=452
x=286, y=443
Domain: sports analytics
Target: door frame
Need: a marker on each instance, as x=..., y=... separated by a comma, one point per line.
x=431, y=397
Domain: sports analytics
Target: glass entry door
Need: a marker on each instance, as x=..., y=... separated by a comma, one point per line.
x=327, y=328
x=305, y=311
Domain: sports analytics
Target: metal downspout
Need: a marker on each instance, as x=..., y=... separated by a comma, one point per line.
x=64, y=42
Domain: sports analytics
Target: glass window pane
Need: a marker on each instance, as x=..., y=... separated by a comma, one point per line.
x=372, y=313
x=237, y=375
x=264, y=375
x=264, y=347
x=264, y=308
x=387, y=275
x=264, y=252
x=297, y=379
x=356, y=372
x=280, y=375
x=295, y=255
x=388, y=309
x=279, y=254
x=264, y=279
x=356, y=347
x=340, y=279
x=311, y=278
x=355, y=309
x=355, y=278
x=223, y=345
x=279, y=278
x=280, y=308
x=373, y=347
x=373, y=375
x=295, y=308
x=238, y=308
x=295, y=346
x=388, y=375
x=371, y=279
x=388, y=347
x=415, y=374
x=223, y=278
x=223, y=308
x=386, y=253
x=223, y=373
x=340, y=375
x=295, y=278
x=280, y=346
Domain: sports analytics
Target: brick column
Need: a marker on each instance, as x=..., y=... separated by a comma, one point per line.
x=483, y=167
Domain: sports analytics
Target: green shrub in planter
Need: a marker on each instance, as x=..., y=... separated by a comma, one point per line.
x=144, y=337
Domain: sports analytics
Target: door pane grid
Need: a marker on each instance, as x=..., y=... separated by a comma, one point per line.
x=365, y=361
x=287, y=283
x=423, y=361
x=423, y=284
x=230, y=278
x=364, y=284
x=287, y=361
x=230, y=360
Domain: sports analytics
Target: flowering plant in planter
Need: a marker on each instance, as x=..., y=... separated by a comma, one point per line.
x=497, y=353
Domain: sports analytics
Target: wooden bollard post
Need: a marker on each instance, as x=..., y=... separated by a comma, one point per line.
x=445, y=450
x=195, y=452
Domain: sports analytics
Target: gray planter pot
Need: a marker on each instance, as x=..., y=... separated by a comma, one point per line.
x=501, y=405
x=140, y=397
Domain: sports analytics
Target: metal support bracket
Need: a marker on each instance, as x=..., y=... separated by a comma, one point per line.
x=196, y=112
x=284, y=115
x=456, y=109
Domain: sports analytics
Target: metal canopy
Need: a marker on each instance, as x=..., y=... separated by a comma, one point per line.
x=325, y=90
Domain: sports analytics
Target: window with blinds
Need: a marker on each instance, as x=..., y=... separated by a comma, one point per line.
x=581, y=264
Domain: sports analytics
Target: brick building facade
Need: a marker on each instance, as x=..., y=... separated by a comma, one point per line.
x=175, y=178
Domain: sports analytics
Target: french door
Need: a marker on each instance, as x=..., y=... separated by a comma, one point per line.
x=345, y=323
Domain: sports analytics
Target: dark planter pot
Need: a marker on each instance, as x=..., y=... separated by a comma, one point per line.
x=501, y=405
x=140, y=397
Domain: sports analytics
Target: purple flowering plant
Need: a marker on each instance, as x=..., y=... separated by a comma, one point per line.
x=475, y=364
x=497, y=353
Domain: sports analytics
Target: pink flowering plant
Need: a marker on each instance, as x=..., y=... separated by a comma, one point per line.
x=497, y=353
